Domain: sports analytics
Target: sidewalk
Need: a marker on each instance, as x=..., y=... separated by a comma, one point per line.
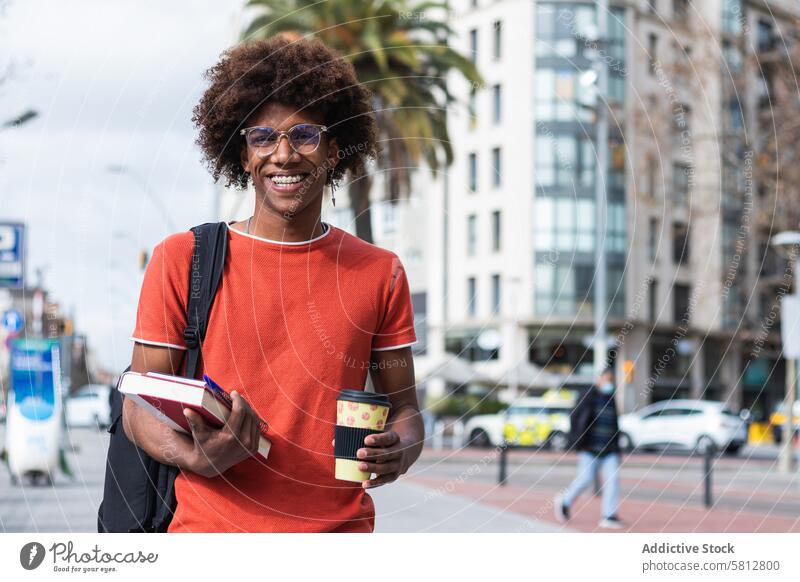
x=659, y=493
x=408, y=506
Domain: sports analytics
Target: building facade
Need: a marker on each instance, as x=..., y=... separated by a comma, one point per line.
x=500, y=247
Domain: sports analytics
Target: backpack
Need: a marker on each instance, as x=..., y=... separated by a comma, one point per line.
x=139, y=492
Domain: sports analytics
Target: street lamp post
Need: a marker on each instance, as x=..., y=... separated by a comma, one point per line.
x=601, y=128
x=789, y=241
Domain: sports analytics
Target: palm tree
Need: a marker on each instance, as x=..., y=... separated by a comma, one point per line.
x=402, y=56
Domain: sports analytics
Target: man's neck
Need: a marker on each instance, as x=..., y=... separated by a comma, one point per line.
x=266, y=224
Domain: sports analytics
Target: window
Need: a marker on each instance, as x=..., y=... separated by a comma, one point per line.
x=652, y=239
x=680, y=184
x=680, y=304
x=559, y=96
x=732, y=16
x=565, y=160
x=681, y=119
x=465, y=345
x=495, y=293
x=496, y=231
x=652, y=300
x=765, y=36
x=566, y=224
x=562, y=30
x=497, y=103
x=497, y=167
x=652, y=54
x=472, y=234
x=652, y=176
x=471, y=296
x=473, y=44
x=473, y=172
x=472, y=107
x=680, y=10
x=680, y=243
x=498, y=39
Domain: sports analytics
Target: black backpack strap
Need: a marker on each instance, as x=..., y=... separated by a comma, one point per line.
x=208, y=263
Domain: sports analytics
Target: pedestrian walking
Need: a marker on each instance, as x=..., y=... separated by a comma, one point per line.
x=594, y=433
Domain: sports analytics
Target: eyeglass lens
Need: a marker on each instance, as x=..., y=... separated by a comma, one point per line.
x=303, y=139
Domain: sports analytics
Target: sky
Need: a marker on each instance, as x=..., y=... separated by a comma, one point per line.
x=114, y=82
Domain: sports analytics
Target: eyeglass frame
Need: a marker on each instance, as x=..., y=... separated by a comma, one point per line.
x=246, y=131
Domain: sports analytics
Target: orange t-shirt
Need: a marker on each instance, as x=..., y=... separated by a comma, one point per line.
x=291, y=325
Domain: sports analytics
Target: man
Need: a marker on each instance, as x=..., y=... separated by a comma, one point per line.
x=304, y=308
x=594, y=433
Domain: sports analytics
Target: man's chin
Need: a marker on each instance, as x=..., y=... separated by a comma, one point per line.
x=286, y=204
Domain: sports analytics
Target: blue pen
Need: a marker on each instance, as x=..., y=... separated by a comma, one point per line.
x=217, y=389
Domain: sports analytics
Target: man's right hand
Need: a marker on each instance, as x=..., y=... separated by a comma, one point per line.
x=218, y=449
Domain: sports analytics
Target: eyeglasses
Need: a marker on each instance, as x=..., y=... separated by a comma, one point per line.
x=303, y=138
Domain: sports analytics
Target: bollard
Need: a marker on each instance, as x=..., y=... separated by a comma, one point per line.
x=708, y=500
x=501, y=479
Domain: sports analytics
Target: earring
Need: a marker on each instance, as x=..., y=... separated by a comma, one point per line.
x=333, y=187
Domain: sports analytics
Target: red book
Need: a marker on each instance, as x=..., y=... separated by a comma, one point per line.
x=166, y=396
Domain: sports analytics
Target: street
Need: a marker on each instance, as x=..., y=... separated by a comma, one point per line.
x=457, y=491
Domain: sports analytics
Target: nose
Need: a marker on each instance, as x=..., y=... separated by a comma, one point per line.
x=283, y=152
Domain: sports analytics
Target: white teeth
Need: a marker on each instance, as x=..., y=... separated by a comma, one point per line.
x=287, y=179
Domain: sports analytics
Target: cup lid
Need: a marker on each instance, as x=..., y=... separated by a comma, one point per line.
x=364, y=397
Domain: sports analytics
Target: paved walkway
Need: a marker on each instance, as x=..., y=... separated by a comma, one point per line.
x=409, y=506
x=659, y=493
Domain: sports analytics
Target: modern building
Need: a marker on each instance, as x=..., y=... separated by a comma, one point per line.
x=500, y=248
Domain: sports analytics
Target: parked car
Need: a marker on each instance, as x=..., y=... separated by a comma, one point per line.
x=89, y=406
x=778, y=418
x=527, y=422
x=689, y=424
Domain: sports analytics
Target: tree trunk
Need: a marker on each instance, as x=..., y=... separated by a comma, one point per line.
x=360, y=203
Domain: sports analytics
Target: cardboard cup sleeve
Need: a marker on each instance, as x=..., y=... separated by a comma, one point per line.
x=358, y=415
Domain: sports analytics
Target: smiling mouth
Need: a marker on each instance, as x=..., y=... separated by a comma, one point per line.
x=283, y=181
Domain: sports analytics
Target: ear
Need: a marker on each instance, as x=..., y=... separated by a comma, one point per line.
x=244, y=159
x=333, y=152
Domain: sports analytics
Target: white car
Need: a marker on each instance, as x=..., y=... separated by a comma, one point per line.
x=688, y=424
x=527, y=422
x=89, y=406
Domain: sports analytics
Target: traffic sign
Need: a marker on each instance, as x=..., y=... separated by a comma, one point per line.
x=12, y=254
x=790, y=326
x=13, y=321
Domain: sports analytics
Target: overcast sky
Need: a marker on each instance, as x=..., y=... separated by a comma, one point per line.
x=114, y=82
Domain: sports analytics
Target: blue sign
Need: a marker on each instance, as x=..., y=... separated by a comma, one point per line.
x=12, y=255
x=35, y=377
x=13, y=321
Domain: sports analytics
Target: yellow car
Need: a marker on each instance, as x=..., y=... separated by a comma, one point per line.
x=778, y=418
x=529, y=422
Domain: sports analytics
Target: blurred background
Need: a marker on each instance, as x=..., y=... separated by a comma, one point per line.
x=567, y=184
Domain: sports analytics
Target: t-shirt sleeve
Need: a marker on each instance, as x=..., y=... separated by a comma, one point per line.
x=161, y=313
x=396, y=328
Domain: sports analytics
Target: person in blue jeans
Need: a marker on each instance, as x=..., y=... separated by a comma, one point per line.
x=594, y=433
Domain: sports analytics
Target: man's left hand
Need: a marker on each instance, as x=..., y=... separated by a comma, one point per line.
x=383, y=455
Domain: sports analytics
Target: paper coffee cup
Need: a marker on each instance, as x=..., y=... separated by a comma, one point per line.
x=358, y=415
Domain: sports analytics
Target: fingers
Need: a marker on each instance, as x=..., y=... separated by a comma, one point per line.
x=255, y=435
x=380, y=468
x=238, y=413
x=196, y=423
x=379, y=480
x=379, y=455
x=383, y=439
